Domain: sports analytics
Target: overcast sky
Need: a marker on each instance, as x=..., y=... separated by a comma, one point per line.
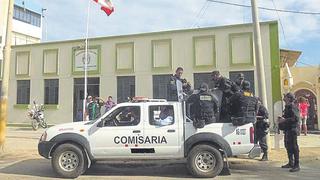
x=66, y=19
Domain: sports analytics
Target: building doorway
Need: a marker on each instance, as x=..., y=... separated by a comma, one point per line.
x=312, y=121
x=93, y=90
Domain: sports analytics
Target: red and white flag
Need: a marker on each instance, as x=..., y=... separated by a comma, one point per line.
x=106, y=6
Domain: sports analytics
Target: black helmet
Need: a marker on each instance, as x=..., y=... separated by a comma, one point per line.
x=240, y=76
x=217, y=73
x=246, y=85
x=204, y=87
x=290, y=96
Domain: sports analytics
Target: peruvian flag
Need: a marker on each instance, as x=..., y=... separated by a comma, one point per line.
x=106, y=6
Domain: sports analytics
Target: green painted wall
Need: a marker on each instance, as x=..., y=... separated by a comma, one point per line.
x=275, y=62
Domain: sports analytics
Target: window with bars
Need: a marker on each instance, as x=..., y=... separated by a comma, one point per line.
x=200, y=78
x=23, y=91
x=248, y=76
x=160, y=86
x=51, y=91
x=125, y=88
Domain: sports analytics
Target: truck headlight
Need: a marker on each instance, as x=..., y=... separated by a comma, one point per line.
x=43, y=136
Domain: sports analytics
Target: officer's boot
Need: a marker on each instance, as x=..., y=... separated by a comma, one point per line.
x=264, y=157
x=290, y=163
x=296, y=166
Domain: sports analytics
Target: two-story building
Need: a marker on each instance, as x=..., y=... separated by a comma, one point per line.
x=136, y=65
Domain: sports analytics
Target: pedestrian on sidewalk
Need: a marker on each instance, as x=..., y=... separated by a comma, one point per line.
x=91, y=108
x=303, y=107
x=109, y=104
x=99, y=102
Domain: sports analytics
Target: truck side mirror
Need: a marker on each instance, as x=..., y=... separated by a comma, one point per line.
x=101, y=123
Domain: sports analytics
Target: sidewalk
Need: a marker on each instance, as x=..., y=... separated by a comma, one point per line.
x=311, y=140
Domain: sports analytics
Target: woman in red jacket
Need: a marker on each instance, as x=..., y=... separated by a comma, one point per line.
x=303, y=107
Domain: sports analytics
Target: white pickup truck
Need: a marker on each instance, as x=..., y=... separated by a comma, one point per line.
x=134, y=131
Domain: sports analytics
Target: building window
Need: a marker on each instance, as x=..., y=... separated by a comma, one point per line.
x=51, y=91
x=23, y=91
x=27, y=16
x=160, y=86
x=241, y=49
x=200, y=78
x=248, y=75
x=125, y=88
x=162, y=54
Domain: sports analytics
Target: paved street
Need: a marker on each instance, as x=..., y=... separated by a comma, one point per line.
x=20, y=160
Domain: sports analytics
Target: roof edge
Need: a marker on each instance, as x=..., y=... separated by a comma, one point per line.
x=145, y=34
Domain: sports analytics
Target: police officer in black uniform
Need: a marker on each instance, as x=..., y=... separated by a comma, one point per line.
x=243, y=106
x=228, y=88
x=203, y=106
x=240, y=80
x=261, y=129
x=288, y=123
x=224, y=84
x=172, y=87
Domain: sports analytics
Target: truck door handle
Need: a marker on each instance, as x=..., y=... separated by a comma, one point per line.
x=171, y=130
x=136, y=131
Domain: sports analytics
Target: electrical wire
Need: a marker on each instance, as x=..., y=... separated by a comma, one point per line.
x=203, y=13
x=267, y=9
x=205, y=4
x=281, y=25
x=300, y=62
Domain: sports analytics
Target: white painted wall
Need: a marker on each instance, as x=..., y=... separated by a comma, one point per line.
x=26, y=29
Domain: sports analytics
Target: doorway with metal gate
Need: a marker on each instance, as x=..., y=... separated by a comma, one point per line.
x=78, y=95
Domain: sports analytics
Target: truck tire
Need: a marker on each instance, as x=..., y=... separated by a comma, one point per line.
x=68, y=161
x=204, y=161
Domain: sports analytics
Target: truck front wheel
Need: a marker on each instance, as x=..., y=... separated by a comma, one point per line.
x=204, y=161
x=68, y=161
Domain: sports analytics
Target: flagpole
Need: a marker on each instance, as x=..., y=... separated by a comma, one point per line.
x=86, y=64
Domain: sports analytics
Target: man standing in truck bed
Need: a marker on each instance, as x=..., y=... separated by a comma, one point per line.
x=178, y=86
x=228, y=88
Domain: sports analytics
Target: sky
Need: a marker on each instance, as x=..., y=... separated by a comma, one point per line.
x=66, y=19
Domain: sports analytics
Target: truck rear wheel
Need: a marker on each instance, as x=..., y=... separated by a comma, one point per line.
x=68, y=161
x=204, y=161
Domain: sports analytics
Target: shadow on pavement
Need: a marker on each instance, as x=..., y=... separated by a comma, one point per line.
x=42, y=168
x=137, y=169
x=31, y=167
x=244, y=170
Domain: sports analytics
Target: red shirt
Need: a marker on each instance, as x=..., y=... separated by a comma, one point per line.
x=303, y=107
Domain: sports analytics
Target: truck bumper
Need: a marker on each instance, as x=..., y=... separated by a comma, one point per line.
x=255, y=151
x=44, y=148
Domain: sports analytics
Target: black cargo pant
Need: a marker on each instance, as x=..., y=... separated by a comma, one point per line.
x=224, y=109
x=260, y=137
x=291, y=144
